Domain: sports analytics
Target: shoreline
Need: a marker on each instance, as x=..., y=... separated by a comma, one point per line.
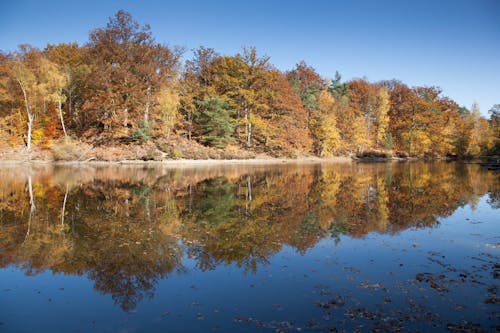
x=213, y=162
x=188, y=162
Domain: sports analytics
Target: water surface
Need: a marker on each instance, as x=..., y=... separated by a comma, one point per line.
x=301, y=247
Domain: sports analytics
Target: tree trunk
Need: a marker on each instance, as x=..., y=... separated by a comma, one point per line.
x=30, y=115
x=248, y=195
x=30, y=127
x=248, y=128
x=249, y=134
x=146, y=110
x=63, y=210
x=61, y=116
x=32, y=207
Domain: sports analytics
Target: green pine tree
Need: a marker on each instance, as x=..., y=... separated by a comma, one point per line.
x=215, y=119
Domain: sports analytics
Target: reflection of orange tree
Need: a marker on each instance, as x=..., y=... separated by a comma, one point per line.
x=126, y=229
x=121, y=242
x=422, y=192
x=111, y=232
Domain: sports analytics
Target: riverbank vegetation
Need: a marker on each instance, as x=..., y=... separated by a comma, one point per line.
x=122, y=95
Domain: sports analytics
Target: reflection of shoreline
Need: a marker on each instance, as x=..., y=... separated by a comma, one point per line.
x=128, y=226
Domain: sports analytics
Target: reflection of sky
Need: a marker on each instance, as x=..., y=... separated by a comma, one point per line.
x=284, y=290
x=454, y=44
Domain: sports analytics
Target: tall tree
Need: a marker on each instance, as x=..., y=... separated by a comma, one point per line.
x=168, y=102
x=308, y=83
x=382, y=116
x=26, y=70
x=195, y=86
x=71, y=59
x=57, y=81
x=240, y=80
x=286, y=118
x=495, y=127
x=129, y=68
x=324, y=126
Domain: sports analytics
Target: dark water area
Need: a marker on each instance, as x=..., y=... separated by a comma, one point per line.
x=398, y=247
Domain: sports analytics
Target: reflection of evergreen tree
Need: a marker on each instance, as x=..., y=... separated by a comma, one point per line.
x=215, y=201
x=338, y=228
x=307, y=229
x=143, y=193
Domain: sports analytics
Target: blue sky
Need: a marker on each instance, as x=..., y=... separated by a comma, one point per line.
x=451, y=44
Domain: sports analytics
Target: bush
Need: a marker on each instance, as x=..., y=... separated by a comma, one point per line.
x=67, y=150
x=143, y=133
x=176, y=153
x=152, y=154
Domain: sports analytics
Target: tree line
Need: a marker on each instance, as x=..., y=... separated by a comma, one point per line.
x=123, y=87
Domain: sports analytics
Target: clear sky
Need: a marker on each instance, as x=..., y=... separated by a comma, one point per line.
x=451, y=44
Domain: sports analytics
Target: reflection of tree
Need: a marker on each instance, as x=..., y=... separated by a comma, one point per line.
x=494, y=191
x=223, y=228
x=121, y=241
x=127, y=228
x=216, y=203
x=106, y=234
x=494, y=199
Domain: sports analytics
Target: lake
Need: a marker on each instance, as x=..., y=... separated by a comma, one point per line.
x=250, y=248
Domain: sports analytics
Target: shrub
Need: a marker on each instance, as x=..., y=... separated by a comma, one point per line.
x=143, y=133
x=66, y=150
x=176, y=153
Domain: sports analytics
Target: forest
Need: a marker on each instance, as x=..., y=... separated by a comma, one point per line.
x=122, y=95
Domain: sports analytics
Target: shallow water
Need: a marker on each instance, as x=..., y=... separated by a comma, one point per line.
x=301, y=247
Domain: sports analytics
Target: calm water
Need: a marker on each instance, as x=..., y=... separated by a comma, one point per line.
x=369, y=247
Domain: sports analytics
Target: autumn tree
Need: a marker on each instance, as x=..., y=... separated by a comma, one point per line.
x=480, y=136
x=308, y=83
x=57, y=80
x=32, y=79
x=11, y=104
x=495, y=127
x=30, y=89
x=495, y=114
x=382, y=118
x=167, y=104
x=128, y=69
x=71, y=60
x=363, y=98
x=324, y=126
x=286, y=120
x=195, y=86
x=241, y=81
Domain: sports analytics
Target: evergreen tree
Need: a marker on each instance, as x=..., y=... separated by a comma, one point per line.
x=216, y=122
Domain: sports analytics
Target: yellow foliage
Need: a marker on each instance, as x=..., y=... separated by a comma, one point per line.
x=37, y=136
x=417, y=142
x=168, y=102
x=324, y=126
x=382, y=115
x=331, y=135
x=263, y=130
x=361, y=137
